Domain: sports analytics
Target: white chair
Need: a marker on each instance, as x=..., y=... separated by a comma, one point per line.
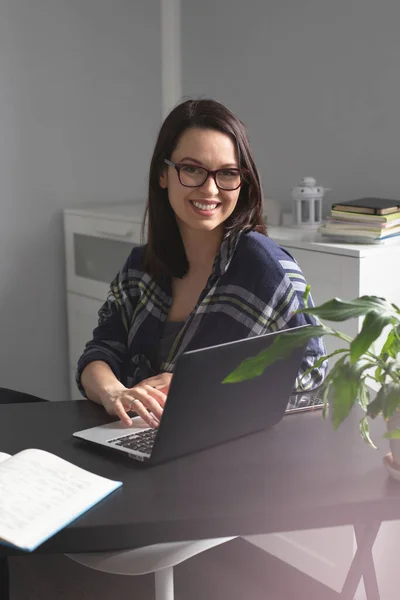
x=159, y=559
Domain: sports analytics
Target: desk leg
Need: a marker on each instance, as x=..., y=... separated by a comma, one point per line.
x=362, y=564
x=369, y=573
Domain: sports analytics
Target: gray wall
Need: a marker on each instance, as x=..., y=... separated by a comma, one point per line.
x=80, y=105
x=316, y=81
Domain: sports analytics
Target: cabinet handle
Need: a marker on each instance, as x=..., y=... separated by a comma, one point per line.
x=109, y=234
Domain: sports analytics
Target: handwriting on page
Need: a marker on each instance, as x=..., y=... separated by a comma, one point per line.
x=32, y=490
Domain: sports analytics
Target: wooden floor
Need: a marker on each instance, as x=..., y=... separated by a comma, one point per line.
x=234, y=571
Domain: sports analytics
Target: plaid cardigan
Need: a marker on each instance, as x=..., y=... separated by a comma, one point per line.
x=255, y=287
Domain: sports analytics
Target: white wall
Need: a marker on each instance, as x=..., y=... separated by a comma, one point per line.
x=80, y=106
x=316, y=82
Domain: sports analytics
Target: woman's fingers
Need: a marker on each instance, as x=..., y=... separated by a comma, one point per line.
x=143, y=412
x=153, y=400
x=164, y=390
x=145, y=400
x=117, y=408
x=147, y=416
x=157, y=394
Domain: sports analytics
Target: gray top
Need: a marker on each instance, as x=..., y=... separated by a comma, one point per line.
x=171, y=330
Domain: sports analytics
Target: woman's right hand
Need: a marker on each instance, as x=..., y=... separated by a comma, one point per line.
x=144, y=399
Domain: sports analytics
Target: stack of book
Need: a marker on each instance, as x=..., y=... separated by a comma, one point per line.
x=364, y=220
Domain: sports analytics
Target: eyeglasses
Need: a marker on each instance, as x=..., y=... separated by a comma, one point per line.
x=195, y=176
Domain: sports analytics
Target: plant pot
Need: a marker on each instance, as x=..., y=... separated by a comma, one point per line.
x=394, y=423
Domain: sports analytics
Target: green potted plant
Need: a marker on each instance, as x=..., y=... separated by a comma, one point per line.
x=358, y=363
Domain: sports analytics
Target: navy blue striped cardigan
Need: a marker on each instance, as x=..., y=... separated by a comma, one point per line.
x=255, y=287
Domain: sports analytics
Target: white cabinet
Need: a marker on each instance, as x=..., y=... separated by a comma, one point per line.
x=345, y=271
x=98, y=240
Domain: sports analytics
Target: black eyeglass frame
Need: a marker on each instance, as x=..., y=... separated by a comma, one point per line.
x=179, y=166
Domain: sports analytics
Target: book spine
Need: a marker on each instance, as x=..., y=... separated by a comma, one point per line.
x=363, y=210
x=365, y=216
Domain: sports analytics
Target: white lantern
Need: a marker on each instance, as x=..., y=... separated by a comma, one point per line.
x=307, y=203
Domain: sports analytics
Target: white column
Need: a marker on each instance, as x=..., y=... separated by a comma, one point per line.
x=311, y=211
x=299, y=211
x=171, y=62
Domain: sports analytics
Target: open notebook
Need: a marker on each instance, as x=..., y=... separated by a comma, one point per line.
x=41, y=493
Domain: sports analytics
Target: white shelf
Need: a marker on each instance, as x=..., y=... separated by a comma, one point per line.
x=116, y=212
x=312, y=240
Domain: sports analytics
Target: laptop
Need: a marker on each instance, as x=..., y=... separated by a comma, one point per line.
x=201, y=411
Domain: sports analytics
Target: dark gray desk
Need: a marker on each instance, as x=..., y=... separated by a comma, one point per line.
x=299, y=475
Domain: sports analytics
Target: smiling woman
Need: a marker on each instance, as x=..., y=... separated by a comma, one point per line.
x=204, y=181
x=200, y=204
x=207, y=275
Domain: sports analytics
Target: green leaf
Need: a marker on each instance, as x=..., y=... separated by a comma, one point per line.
x=393, y=435
x=379, y=375
x=340, y=310
x=325, y=410
x=325, y=396
x=372, y=327
x=364, y=431
x=338, y=351
x=363, y=395
x=282, y=346
x=392, y=344
x=322, y=359
x=374, y=408
x=306, y=295
x=346, y=384
x=386, y=402
x=393, y=368
x=391, y=399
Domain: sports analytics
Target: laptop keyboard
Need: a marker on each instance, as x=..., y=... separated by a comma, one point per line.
x=142, y=441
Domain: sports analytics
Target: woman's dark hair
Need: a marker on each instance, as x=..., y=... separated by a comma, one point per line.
x=165, y=253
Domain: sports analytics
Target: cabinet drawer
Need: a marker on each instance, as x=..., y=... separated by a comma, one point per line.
x=127, y=231
x=96, y=248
